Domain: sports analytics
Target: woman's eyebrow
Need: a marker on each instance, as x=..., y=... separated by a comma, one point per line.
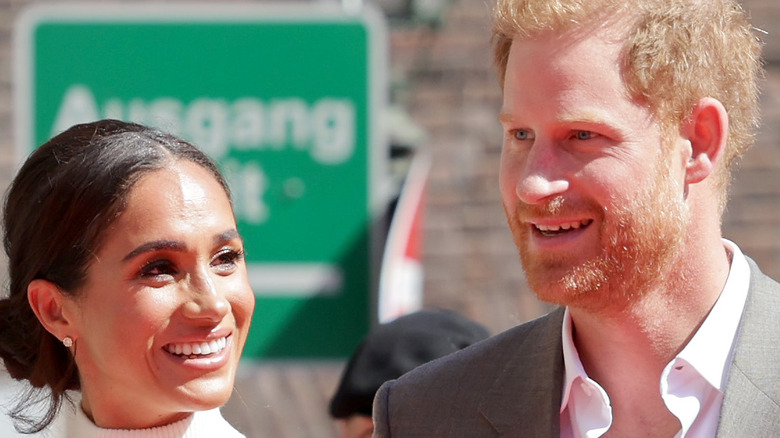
x=155, y=245
x=177, y=245
x=227, y=235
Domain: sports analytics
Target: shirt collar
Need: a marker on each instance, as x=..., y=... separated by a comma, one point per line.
x=706, y=352
x=711, y=348
x=571, y=360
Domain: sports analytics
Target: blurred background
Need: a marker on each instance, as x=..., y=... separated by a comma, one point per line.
x=430, y=227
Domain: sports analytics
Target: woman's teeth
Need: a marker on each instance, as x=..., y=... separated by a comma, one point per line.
x=202, y=348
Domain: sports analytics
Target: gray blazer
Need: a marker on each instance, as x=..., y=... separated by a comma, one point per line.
x=511, y=384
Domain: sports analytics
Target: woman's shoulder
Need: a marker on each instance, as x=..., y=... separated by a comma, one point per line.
x=211, y=424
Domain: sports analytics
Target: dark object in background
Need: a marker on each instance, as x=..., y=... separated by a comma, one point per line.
x=394, y=348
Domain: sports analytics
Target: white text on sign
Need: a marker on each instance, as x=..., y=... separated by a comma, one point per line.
x=326, y=127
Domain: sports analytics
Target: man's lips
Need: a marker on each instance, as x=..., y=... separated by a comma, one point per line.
x=556, y=229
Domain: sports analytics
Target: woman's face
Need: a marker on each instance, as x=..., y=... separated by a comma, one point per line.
x=164, y=314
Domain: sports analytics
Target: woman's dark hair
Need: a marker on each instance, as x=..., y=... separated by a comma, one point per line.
x=67, y=193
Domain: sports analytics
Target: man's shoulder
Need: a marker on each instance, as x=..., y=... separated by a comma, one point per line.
x=751, y=401
x=760, y=280
x=471, y=392
x=480, y=362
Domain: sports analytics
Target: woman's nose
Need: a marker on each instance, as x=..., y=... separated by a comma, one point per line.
x=206, y=301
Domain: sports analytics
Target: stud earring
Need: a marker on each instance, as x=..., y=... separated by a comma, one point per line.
x=67, y=341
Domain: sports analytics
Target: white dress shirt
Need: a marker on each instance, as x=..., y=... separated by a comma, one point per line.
x=691, y=384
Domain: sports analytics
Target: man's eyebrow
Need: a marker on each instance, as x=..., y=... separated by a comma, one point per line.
x=586, y=117
x=155, y=245
x=504, y=117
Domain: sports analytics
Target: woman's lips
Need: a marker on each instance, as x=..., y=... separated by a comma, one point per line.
x=197, y=349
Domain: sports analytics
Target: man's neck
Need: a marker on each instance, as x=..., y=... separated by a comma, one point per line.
x=658, y=324
x=626, y=351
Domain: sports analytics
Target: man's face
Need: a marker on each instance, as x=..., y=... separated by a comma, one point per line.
x=594, y=200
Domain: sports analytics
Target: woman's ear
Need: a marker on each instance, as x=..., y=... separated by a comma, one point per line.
x=47, y=302
x=707, y=131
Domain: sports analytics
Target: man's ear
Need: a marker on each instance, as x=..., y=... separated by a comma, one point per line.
x=707, y=131
x=47, y=302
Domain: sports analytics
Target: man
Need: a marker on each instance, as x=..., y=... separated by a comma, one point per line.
x=389, y=351
x=622, y=119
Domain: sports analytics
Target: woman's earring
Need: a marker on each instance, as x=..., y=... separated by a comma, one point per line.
x=67, y=341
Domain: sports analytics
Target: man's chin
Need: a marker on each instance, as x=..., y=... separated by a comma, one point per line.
x=596, y=286
x=581, y=286
x=557, y=293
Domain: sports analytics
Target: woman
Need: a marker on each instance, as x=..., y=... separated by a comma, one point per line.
x=127, y=283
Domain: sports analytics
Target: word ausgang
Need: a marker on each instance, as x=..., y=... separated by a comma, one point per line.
x=325, y=128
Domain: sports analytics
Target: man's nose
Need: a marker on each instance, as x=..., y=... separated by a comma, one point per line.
x=542, y=175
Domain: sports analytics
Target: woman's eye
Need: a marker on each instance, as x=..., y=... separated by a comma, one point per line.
x=227, y=259
x=158, y=269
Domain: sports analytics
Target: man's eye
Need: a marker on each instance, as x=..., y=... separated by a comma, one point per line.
x=523, y=134
x=584, y=135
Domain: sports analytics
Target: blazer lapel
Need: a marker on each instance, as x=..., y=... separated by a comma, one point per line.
x=525, y=398
x=751, y=403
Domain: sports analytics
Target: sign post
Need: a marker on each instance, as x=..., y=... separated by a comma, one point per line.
x=285, y=98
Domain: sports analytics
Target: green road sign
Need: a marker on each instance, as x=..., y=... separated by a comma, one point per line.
x=284, y=98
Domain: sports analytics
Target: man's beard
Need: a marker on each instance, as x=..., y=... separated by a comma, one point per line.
x=639, y=243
